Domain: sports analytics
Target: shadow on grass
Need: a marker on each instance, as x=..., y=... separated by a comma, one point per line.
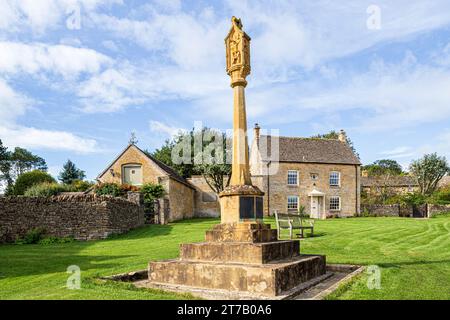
x=411, y=263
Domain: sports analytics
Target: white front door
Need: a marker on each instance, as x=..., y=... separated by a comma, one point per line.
x=315, y=207
x=132, y=174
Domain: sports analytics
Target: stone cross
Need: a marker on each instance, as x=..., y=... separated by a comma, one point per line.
x=238, y=67
x=241, y=201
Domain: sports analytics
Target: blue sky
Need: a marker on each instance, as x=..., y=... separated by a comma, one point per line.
x=75, y=86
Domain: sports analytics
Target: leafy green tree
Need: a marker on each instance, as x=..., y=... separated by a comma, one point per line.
x=29, y=179
x=383, y=167
x=206, y=154
x=5, y=166
x=428, y=171
x=23, y=161
x=335, y=135
x=71, y=173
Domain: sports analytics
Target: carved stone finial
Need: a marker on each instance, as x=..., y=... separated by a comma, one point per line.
x=237, y=45
x=237, y=22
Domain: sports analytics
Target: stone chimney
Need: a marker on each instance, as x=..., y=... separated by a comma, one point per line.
x=256, y=132
x=342, y=137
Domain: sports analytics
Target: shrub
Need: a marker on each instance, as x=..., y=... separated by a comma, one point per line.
x=108, y=189
x=81, y=185
x=32, y=237
x=413, y=199
x=442, y=196
x=128, y=187
x=28, y=179
x=151, y=192
x=47, y=189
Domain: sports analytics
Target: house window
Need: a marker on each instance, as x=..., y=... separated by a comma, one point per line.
x=335, y=203
x=292, y=179
x=335, y=179
x=132, y=174
x=292, y=203
x=314, y=176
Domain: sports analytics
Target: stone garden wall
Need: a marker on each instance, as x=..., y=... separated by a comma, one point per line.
x=380, y=210
x=397, y=210
x=435, y=209
x=84, y=217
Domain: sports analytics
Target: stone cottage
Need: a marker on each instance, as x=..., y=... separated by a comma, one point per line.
x=135, y=167
x=392, y=185
x=322, y=175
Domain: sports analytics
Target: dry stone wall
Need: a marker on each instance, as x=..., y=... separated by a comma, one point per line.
x=84, y=217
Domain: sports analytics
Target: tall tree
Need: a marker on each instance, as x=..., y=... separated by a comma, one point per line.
x=70, y=173
x=17, y=162
x=335, y=135
x=202, y=152
x=428, y=171
x=383, y=167
x=23, y=161
x=5, y=166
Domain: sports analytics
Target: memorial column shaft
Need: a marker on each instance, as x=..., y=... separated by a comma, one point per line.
x=240, y=166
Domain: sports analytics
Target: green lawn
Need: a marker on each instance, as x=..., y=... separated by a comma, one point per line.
x=414, y=257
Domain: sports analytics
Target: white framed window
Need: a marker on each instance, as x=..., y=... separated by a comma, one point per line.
x=335, y=203
x=292, y=178
x=292, y=202
x=314, y=176
x=335, y=178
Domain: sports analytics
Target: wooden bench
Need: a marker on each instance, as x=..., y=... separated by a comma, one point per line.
x=291, y=222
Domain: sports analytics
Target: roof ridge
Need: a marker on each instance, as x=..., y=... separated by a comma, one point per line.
x=302, y=138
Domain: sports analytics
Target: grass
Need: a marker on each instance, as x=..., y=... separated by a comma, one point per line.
x=413, y=256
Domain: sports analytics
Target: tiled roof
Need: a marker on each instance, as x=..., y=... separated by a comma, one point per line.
x=309, y=150
x=170, y=171
x=394, y=181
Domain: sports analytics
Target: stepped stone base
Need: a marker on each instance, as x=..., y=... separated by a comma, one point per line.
x=244, y=258
x=240, y=252
x=241, y=232
x=269, y=279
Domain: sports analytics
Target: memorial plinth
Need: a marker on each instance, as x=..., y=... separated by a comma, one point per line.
x=242, y=254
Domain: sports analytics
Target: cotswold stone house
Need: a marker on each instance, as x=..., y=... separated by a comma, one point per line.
x=322, y=175
x=393, y=185
x=133, y=166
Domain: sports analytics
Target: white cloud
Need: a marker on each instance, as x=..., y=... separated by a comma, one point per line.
x=399, y=152
x=16, y=15
x=12, y=104
x=16, y=57
x=46, y=139
x=160, y=127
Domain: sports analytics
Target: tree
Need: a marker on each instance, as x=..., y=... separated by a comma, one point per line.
x=208, y=158
x=5, y=166
x=383, y=167
x=428, y=171
x=70, y=173
x=29, y=179
x=384, y=170
x=335, y=135
x=23, y=161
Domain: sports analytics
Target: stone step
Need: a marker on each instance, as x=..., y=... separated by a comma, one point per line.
x=270, y=279
x=241, y=232
x=240, y=252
